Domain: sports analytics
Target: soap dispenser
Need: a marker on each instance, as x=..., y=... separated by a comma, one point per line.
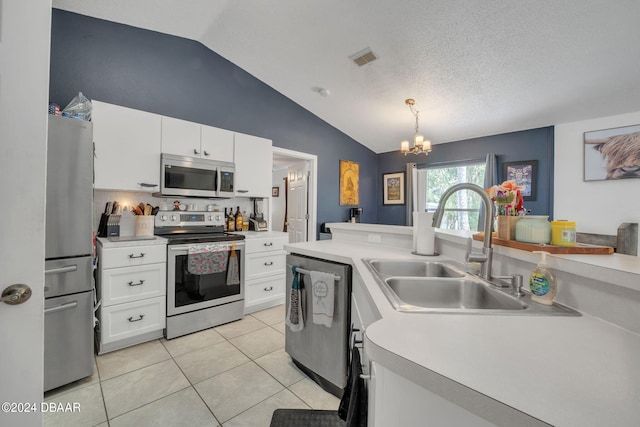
x=542, y=282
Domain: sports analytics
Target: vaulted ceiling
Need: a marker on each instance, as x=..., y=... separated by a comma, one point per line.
x=475, y=68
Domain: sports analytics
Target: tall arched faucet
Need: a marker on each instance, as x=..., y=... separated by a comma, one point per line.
x=485, y=257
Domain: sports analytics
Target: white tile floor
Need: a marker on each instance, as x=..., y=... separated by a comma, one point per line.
x=234, y=375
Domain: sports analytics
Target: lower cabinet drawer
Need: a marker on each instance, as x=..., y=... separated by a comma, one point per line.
x=135, y=255
x=127, y=320
x=127, y=284
x=262, y=244
x=258, y=291
x=264, y=264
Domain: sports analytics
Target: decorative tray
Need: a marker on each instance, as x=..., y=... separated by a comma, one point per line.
x=579, y=248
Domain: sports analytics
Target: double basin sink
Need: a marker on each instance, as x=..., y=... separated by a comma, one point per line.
x=426, y=286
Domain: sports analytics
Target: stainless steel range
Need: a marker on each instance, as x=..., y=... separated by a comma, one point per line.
x=205, y=271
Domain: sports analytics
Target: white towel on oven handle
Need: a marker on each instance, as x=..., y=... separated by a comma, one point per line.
x=323, y=290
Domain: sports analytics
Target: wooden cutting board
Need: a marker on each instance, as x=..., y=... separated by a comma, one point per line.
x=579, y=248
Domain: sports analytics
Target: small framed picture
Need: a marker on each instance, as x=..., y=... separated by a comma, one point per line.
x=393, y=188
x=524, y=173
x=275, y=191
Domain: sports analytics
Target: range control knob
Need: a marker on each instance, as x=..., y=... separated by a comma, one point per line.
x=163, y=217
x=210, y=217
x=173, y=218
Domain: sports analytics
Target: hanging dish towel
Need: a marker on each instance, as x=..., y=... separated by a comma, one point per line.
x=353, y=405
x=207, y=258
x=295, y=318
x=322, y=286
x=233, y=269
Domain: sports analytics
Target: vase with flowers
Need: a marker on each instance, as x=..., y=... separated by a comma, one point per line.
x=508, y=200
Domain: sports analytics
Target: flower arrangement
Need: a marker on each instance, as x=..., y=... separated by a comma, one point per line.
x=507, y=197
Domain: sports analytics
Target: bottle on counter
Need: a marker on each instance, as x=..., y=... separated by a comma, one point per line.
x=238, y=219
x=231, y=221
x=542, y=282
x=226, y=220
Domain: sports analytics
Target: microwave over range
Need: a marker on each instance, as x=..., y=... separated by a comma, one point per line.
x=193, y=177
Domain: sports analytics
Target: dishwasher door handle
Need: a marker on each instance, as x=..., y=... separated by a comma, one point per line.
x=62, y=307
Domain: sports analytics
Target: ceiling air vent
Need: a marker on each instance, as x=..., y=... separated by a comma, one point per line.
x=363, y=57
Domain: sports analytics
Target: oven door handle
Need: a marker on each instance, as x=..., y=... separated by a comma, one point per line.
x=239, y=246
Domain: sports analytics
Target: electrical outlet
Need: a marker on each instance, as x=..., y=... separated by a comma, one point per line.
x=375, y=238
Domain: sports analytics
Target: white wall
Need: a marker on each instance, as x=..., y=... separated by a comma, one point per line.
x=596, y=206
x=278, y=204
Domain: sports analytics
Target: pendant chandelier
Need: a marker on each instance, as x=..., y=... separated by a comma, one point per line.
x=420, y=145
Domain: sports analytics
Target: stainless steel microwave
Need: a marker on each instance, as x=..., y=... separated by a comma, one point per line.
x=194, y=177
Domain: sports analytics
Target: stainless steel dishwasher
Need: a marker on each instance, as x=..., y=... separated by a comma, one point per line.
x=321, y=352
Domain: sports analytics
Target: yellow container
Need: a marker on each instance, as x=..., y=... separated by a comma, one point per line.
x=563, y=233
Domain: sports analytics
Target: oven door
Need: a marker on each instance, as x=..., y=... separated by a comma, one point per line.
x=193, y=285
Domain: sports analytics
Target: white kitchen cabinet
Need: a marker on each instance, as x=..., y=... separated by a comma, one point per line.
x=218, y=143
x=265, y=272
x=180, y=137
x=397, y=401
x=127, y=148
x=131, y=290
x=253, y=159
x=184, y=138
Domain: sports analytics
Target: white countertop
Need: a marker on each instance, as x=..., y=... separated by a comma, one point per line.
x=260, y=234
x=564, y=371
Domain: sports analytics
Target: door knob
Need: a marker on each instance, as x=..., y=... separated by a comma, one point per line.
x=16, y=294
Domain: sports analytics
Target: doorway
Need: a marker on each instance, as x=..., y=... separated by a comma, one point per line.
x=295, y=206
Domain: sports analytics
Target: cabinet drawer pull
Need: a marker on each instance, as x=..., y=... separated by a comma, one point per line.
x=206, y=153
x=268, y=244
x=268, y=263
x=140, y=317
x=268, y=289
x=195, y=151
x=146, y=184
x=136, y=284
x=136, y=256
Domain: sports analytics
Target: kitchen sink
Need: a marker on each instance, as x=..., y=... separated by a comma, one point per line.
x=415, y=268
x=451, y=294
x=430, y=286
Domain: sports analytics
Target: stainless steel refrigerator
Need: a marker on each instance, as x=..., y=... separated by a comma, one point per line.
x=68, y=314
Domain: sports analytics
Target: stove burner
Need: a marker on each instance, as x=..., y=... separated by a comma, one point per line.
x=202, y=234
x=176, y=239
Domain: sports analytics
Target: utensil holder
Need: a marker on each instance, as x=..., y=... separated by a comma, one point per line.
x=144, y=225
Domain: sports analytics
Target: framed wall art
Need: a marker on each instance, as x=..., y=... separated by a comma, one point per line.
x=612, y=153
x=524, y=173
x=349, y=183
x=393, y=188
x=275, y=191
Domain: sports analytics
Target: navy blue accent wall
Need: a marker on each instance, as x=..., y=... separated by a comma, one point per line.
x=182, y=78
x=534, y=144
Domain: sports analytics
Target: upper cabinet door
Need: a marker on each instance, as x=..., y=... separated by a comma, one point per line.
x=127, y=148
x=216, y=144
x=180, y=137
x=253, y=157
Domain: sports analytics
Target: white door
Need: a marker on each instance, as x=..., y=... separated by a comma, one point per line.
x=24, y=82
x=298, y=202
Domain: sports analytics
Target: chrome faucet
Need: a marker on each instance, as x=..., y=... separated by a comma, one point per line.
x=484, y=258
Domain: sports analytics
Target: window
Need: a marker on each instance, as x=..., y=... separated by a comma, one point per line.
x=462, y=211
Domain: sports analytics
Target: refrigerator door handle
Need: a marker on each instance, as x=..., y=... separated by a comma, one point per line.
x=63, y=307
x=59, y=270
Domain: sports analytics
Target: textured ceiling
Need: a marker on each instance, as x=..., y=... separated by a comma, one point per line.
x=475, y=68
